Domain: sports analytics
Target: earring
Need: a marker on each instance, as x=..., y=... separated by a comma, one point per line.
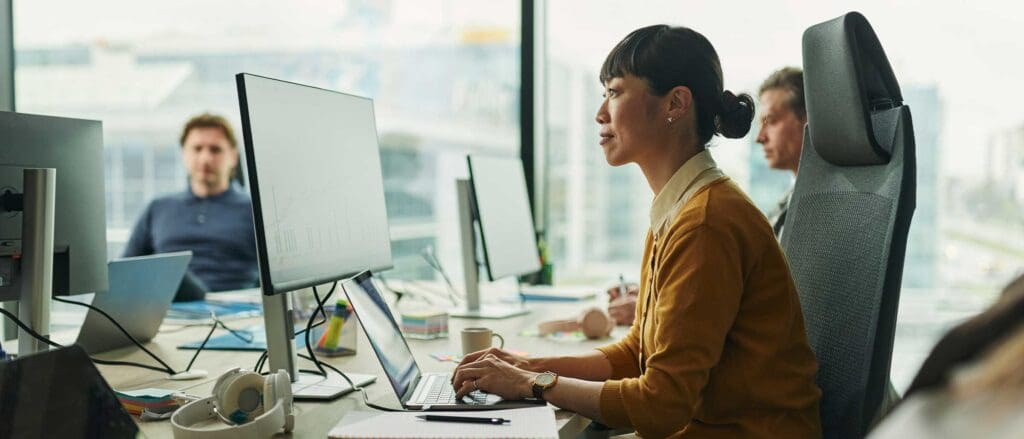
x=670, y=120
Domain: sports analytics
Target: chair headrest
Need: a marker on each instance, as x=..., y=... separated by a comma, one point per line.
x=847, y=78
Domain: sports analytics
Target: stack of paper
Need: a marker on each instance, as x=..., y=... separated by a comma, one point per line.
x=425, y=324
x=525, y=423
x=155, y=400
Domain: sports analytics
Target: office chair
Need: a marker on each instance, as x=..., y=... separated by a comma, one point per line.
x=846, y=231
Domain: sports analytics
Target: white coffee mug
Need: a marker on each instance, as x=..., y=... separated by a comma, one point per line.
x=478, y=339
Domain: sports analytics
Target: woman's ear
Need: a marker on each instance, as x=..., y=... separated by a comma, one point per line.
x=680, y=102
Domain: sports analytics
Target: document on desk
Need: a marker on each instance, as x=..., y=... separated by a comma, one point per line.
x=525, y=423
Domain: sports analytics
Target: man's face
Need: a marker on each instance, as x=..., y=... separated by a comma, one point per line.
x=209, y=157
x=782, y=131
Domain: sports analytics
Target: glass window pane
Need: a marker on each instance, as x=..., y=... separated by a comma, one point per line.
x=444, y=75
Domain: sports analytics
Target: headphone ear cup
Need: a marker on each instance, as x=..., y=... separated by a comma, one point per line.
x=239, y=398
x=224, y=381
x=278, y=387
x=595, y=323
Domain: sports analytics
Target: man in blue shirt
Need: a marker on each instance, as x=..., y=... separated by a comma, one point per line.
x=213, y=218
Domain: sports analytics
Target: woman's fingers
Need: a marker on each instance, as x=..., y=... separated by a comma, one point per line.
x=464, y=389
x=466, y=374
x=474, y=356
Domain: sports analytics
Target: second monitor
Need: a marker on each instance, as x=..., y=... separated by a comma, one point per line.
x=495, y=200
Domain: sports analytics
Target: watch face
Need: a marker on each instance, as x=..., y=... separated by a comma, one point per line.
x=545, y=379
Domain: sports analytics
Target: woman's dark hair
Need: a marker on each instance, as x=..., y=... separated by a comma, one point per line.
x=668, y=57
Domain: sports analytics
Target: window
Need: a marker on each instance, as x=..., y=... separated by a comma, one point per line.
x=444, y=75
x=967, y=238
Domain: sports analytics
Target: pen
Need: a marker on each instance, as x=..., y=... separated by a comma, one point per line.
x=472, y=419
x=622, y=286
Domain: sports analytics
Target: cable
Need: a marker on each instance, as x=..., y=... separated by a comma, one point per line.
x=320, y=365
x=399, y=294
x=30, y=331
x=309, y=324
x=262, y=360
x=356, y=388
x=430, y=256
x=167, y=368
x=202, y=345
x=36, y=335
x=428, y=294
x=312, y=355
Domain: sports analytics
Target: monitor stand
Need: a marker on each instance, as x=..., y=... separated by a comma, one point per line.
x=470, y=268
x=39, y=188
x=312, y=387
x=281, y=355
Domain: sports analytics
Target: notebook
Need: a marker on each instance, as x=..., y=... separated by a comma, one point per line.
x=526, y=423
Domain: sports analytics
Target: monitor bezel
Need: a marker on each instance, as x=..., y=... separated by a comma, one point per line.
x=267, y=284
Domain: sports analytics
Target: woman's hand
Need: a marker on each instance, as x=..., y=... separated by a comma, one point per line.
x=493, y=375
x=623, y=310
x=615, y=292
x=506, y=356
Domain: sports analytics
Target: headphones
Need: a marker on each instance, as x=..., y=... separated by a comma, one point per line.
x=252, y=405
x=593, y=322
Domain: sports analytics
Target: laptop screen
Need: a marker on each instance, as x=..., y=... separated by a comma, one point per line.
x=383, y=332
x=59, y=393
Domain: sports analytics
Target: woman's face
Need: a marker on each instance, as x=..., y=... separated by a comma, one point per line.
x=630, y=121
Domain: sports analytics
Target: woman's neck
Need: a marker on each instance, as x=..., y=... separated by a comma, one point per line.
x=660, y=167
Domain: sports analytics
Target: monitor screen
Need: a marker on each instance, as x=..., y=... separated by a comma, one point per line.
x=503, y=209
x=315, y=177
x=383, y=332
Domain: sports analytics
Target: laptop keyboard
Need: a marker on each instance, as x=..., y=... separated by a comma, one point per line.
x=440, y=392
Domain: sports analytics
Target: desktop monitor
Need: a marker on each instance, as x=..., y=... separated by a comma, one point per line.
x=53, y=215
x=494, y=201
x=314, y=172
x=74, y=147
x=502, y=209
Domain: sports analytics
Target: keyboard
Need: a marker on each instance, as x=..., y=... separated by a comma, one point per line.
x=440, y=392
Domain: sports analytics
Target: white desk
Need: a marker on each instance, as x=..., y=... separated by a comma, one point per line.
x=315, y=419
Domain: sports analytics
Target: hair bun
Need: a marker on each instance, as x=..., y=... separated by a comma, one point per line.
x=733, y=121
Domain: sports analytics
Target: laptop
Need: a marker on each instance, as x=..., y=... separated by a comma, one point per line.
x=59, y=393
x=416, y=390
x=141, y=291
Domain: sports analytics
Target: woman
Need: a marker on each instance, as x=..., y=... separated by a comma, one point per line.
x=718, y=348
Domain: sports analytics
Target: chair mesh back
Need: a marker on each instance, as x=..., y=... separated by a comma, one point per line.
x=849, y=217
x=840, y=286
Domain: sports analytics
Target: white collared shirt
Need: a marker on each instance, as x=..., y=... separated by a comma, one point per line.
x=696, y=173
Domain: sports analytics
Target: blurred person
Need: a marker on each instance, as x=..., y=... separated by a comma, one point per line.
x=972, y=383
x=783, y=116
x=212, y=217
x=719, y=348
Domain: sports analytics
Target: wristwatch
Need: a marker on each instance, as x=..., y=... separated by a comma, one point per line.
x=542, y=382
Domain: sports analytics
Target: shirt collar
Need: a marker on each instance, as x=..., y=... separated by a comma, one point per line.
x=665, y=203
x=232, y=190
